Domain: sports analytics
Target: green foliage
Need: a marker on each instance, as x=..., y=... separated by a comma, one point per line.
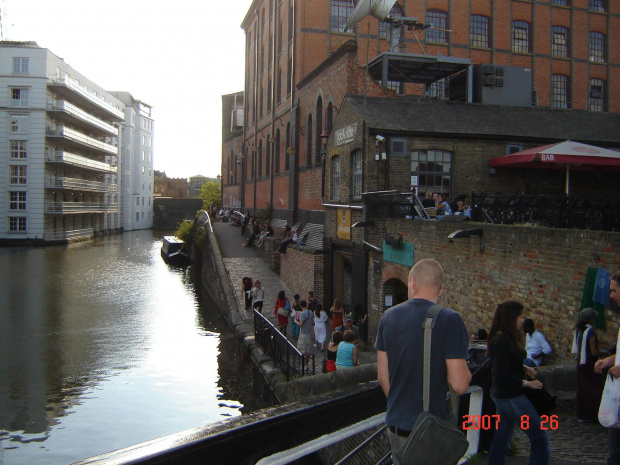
x=211, y=194
x=194, y=238
x=185, y=231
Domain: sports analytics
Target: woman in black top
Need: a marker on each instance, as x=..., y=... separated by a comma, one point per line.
x=513, y=407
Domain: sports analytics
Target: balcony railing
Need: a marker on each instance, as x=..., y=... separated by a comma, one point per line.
x=60, y=156
x=76, y=112
x=72, y=208
x=89, y=95
x=65, y=235
x=53, y=182
x=82, y=139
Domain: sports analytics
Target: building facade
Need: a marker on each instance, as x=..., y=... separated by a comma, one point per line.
x=61, y=148
x=136, y=165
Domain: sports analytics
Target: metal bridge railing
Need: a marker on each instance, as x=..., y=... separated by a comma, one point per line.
x=284, y=354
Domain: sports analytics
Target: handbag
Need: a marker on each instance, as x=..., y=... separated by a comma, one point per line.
x=609, y=410
x=283, y=312
x=432, y=440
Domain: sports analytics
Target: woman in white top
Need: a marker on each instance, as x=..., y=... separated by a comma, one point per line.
x=258, y=294
x=320, y=331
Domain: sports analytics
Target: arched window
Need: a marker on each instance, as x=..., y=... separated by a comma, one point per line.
x=319, y=130
x=268, y=157
x=288, y=144
x=433, y=169
x=596, y=96
x=439, y=21
x=276, y=155
x=479, y=31
x=260, y=159
x=357, y=168
x=309, y=141
x=340, y=12
x=336, y=177
x=560, y=91
x=521, y=37
x=559, y=42
x=596, y=47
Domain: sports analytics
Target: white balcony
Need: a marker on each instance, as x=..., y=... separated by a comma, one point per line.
x=73, y=90
x=69, y=112
x=67, y=235
x=80, y=140
x=61, y=156
x=52, y=182
x=74, y=208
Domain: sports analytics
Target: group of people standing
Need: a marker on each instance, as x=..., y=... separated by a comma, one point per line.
x=399, y=347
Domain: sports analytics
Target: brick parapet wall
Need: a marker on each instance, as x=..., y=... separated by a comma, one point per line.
x=543, y=268
x=301, y=269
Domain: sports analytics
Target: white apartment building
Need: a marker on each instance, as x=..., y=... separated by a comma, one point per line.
x=136, y=164
x=59, y=150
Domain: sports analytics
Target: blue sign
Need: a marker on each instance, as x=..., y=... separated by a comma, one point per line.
x=403, y=255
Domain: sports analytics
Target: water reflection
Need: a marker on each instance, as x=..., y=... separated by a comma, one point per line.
x=103, y=345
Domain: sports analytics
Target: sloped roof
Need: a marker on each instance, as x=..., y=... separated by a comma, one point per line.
x=418, y=115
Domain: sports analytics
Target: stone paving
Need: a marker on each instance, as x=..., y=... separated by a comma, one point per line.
x=572, y=442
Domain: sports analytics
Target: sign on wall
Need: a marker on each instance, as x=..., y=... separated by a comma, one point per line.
x=344, y=224
x=346, y=134
x=403, y=255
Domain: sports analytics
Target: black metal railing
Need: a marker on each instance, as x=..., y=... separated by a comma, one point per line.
x=595, y=213
x=284, y=354
x=570, y=212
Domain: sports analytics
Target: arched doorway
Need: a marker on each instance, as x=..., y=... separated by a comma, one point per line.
x=393, y=292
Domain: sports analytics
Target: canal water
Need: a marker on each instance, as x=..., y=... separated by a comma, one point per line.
x=103, y=345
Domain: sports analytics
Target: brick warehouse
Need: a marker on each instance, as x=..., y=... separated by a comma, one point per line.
x=300, y=65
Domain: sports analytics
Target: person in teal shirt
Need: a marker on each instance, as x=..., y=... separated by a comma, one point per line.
x=347, y=352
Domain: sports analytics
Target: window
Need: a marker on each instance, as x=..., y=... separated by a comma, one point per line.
x=17, y=223
x=559, y=91
x=596, y=47
x=357, y=169
x=18, y=149
x=438, y=21
x=137, y=200
x=19, y=123
x=521, y=37
x=336, y=177
x=433, y=170
x=512, y=147
x=17, y=200
x=559, y=42
x=479, y=31
x=437, y=89
x=560, y=2
x=341, y=11
x=276, y=155
x=318, y=147
x=20, y=65
x=309, y=141
x=260, y=159
x=384, y=26
x=19, y=98
x=268, y=157
x=597, y=5
x=289, y=143
x=137, y=216
x=596, y=96
x=17, y=174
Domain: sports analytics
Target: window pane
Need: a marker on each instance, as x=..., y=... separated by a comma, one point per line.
x=437, y=19
x=479, y=31
x=340, y=13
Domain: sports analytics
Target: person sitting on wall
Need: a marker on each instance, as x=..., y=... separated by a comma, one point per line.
x=443, y=207
x=290, y=238
x=536, y=345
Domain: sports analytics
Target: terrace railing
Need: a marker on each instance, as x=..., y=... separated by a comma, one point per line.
x=285, y=355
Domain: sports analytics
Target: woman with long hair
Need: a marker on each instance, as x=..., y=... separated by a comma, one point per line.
x=337, y=312
x=282, y=302
x=332, y=352
x=589, y=384
x=513, y=407
x=320, y=332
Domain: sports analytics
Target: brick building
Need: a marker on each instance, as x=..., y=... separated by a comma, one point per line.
x=301, y=64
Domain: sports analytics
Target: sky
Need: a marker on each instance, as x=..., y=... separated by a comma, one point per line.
x=179, y=57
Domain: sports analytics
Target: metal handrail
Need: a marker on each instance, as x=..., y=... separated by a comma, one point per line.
x=284, y=354
x=364, y=444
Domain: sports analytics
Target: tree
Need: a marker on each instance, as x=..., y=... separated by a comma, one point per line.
x=211, y=194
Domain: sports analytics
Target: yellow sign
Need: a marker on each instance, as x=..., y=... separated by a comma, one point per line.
x=344, y=223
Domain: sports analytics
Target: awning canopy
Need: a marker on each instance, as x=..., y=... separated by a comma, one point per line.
x=559, y=156
x=422, y=69
x=565, y=155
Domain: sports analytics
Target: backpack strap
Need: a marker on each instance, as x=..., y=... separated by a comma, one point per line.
x=428, y=325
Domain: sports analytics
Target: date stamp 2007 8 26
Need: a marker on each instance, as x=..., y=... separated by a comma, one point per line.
x=486, y=422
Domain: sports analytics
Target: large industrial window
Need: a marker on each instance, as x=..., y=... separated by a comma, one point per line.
x=597, y=5
x=559, y=42
x=521, y=37
x=357, y=169
x=596, y=96
x=431, y=170
x=17, y=223
x=596, y=47
x=438, y=21
x=479, y=31
x=561, y=2
x=560, y=91
x=341, y=11
x=336, y=177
